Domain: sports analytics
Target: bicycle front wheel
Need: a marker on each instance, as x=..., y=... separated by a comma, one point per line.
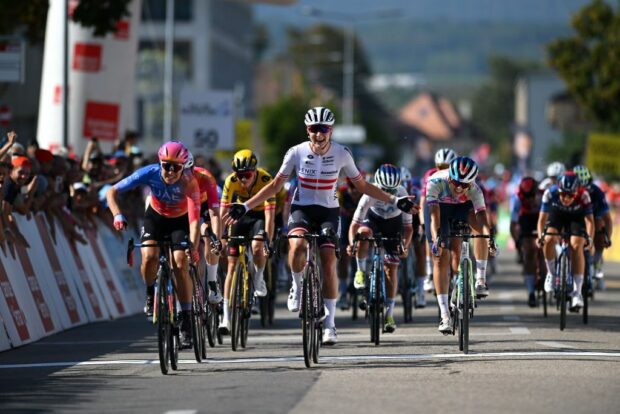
x=467, y=303
x=236, y=304
x=307, y=324
x=318, y=308
x=375, y=305
x=163, y=325
x=563, y=290
x=197, y=325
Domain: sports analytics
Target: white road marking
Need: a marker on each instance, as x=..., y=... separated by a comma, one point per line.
x=181, y=412
x=520, y=330
x=394, y=357
x=504, y=295
x=511, y=318
x=552, y=344
x=57, y=343
x=507, y=308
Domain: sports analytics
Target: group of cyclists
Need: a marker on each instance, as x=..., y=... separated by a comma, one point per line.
x=185, y=203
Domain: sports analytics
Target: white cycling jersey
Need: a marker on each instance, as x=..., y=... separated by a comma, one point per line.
x=318, y=174
x=381, y=209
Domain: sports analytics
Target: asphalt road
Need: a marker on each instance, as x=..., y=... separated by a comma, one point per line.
x=518, y=362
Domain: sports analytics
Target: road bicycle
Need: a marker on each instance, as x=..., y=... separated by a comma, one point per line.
x=312, y=310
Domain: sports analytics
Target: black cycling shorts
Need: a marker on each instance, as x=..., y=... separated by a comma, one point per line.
x=250, y=225
x=157, y=227
x=315, y=218
x=392, y=227
x=574, y=223
x=528, y=224
x=447, y=214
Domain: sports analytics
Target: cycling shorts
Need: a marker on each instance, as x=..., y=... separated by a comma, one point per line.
x=391, y=227
x=528, y=224
x=157, y=227
x=447, y=214
x=315, y=218
x=562, y=221
x=250, y=225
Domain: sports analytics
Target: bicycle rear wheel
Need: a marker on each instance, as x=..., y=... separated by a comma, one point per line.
x=563, y=290
x=375, y=313
x=308, y=331
x=163, y=324
x=247, y=299
x=236, y=311
x=210, y=324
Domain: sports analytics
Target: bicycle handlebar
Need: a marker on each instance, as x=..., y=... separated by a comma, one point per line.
x=161, y=244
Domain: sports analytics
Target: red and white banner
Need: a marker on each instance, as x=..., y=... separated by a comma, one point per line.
x=101, y=80
x=55, y=285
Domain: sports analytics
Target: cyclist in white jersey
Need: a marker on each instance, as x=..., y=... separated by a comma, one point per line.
x=373, y=216
x=317, y=164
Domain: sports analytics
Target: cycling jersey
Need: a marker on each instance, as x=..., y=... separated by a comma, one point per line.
x=318, y=174
x=233, y=187
x=438, y=191
x=427, y=176
x=599, y=202
x=523, y=206
x=168, y=200
x=581, y=205
x=208, y=187
x=381, y=209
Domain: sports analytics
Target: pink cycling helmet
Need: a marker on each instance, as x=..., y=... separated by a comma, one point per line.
x=173, y=151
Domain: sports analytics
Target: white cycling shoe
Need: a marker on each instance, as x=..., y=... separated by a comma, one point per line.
x=549, y=283
x=330, y=337
x=260, y=288
x=294, y=297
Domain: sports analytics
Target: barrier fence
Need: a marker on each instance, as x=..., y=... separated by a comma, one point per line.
x=56, y=285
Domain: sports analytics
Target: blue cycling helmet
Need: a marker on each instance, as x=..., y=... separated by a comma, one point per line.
x=463, y=170
x=568, y=182
x=387, y=176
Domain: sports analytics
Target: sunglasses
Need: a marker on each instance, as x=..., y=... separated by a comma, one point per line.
x=245, y=175
x=171, y=166
x=324, y=129
x=568, y=195
x=463, y=186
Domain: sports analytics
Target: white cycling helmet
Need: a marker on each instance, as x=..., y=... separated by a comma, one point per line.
x=387, y=176
x=319, y=115
x=555, y=169
x=190, y=161
x=444, y=156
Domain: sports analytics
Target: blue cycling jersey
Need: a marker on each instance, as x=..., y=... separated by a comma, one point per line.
x=580, y=205
x=599, y=202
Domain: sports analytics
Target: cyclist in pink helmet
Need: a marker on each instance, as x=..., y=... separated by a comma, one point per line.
x=173, y=210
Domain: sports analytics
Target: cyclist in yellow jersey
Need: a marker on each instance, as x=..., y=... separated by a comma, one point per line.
x=244, y=182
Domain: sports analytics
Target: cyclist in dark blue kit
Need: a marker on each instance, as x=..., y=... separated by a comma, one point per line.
x=566, y=207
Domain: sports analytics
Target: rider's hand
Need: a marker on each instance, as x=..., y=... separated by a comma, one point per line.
x=350, y=250
x=406, y=205
x=405, y=252
x=541, y=242
x=493, y=249
x=195, y=256
x=216, y=247
x=120, y=222
x=237, y=211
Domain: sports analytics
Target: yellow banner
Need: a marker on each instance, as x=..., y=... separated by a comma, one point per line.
x=603, y=154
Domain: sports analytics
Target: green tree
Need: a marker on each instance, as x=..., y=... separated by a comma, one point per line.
x=589, y=62
x=493, y=104
x=31, y=16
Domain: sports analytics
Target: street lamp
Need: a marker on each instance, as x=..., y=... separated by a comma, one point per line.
x=348, y=65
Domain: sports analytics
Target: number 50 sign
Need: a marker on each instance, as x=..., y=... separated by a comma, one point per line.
x=206, y=120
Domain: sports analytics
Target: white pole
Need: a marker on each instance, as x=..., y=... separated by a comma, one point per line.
x=168, y=70
x=65, y=77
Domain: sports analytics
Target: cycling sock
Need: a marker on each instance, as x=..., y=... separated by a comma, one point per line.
x=442, y=300
x=258, y=273
x=150, y=290
x=577, y=283
x=429, y=267
x=297, y=279
x=530, y=283
x=226, y=311
x=330, y=304
x=186, y=306
x=597, y=259
x=551, y=266
x=361, y=264
x=481, y=269
x=211, y=272
x=390, y=307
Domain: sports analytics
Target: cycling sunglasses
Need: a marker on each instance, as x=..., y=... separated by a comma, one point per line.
x=171, y=166
x=244, y=175
x=463, y=186
x=567, y=195
x=324, y=129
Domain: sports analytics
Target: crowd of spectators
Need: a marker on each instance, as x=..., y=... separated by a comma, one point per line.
x=68, y=187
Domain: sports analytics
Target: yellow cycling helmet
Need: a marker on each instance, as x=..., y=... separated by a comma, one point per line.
x=244, y=160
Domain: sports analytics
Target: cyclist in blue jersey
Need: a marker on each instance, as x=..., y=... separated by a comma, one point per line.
x=602, y=219
x=174, y=211
x=566, y=207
